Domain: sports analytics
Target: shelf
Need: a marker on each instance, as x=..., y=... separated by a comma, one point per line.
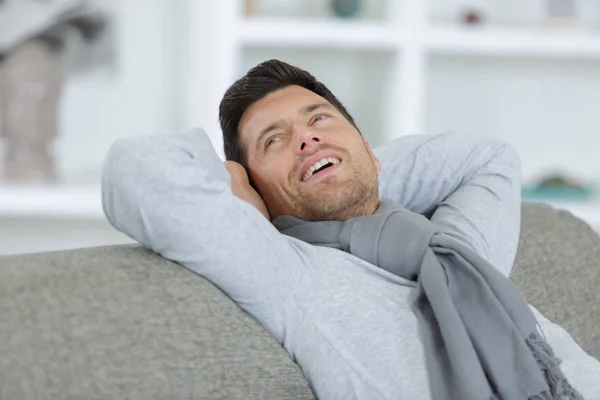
x=84, y=202
x=62, y=202
x=318, y=34
x=369, y=35
x=514, y=42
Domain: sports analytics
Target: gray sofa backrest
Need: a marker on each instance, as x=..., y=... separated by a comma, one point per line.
x=558, y=270
x=122, y=323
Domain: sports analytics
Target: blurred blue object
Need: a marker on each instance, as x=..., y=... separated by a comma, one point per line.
x=564, y=193
x=345, y=8
x=559, y=187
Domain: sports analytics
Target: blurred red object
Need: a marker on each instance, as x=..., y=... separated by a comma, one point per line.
x=472, y=17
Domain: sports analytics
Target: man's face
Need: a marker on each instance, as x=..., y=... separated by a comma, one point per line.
x=306, y=159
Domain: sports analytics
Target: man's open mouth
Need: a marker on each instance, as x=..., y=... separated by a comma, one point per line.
x=319, y=166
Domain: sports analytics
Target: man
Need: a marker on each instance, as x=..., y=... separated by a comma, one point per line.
x=293, y=149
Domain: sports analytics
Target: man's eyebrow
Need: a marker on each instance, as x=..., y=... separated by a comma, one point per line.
x=312, y=107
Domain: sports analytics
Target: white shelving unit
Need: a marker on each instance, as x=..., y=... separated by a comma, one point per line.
x=405, y=33
x=219, y=34
x=51, y=202
x=52, y=218
x=506, y=42
x=314, y=34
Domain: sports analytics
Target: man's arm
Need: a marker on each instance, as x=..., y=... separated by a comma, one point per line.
x=468, y=184
x=172, y=193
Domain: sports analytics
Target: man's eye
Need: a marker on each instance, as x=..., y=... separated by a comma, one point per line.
x=319, y=117
x=271, y=141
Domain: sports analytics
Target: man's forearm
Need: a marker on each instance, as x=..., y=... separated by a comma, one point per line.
x=469, y=184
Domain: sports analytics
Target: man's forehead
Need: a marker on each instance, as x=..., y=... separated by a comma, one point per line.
x=282, y=102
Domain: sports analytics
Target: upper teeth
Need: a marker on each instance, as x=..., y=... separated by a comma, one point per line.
x=317, y=165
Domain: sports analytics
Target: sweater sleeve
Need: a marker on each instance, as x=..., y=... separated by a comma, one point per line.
x=172, y=194
x=468, y=185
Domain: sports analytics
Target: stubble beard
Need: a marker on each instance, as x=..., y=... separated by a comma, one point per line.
x=357, y=196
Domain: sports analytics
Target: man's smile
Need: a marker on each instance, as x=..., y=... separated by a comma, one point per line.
x=324, y=173
x=316, y=165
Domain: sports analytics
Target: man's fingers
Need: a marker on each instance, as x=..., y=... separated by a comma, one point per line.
x=238, y=173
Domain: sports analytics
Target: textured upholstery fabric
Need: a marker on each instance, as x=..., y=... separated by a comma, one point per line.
x=558, y=270
x=122, y=323
x=119, y=322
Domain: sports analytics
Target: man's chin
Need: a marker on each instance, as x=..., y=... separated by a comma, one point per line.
x=327, y=205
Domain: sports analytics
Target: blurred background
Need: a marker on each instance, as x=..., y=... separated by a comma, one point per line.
x=76, y=75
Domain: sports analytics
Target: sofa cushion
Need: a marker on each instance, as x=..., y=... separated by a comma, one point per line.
x=558, y=271
x=120, y=322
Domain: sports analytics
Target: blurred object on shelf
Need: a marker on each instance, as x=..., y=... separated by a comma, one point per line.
x=562, y=9
x=472, y=16
x=250, y=7
x=35, y=36
x=562, y=13
x=30, y=87
x=62, y=22
x=559, y=186
x=540, y=13
x=281, y=8
x=345, y=8
x=582, y=14
x=316, y=9
x=505, y=12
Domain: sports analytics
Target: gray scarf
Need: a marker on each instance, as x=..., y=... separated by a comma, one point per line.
x=481, y=339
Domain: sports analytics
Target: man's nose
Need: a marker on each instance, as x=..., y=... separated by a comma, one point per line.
x=308, y=139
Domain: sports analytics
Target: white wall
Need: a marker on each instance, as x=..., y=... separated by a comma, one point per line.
x=548, y=109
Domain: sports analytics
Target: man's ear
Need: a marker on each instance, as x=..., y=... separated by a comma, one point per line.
x=373, y=156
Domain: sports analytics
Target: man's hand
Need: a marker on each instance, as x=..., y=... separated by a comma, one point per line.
x=240, y=186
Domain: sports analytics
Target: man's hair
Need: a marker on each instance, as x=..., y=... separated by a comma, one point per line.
x=261, y=80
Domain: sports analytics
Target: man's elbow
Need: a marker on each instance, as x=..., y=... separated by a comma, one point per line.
x=118, y=176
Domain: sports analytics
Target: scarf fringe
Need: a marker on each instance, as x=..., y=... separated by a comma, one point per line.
x=560, y=388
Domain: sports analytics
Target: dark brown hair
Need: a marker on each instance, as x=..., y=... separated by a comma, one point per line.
x=261, y=80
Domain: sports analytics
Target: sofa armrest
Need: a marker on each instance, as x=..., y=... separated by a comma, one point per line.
x=558, y=270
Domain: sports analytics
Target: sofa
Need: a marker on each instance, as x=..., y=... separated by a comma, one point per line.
x=120, y=322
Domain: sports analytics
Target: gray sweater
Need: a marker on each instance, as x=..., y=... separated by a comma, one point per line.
x=347, y=323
